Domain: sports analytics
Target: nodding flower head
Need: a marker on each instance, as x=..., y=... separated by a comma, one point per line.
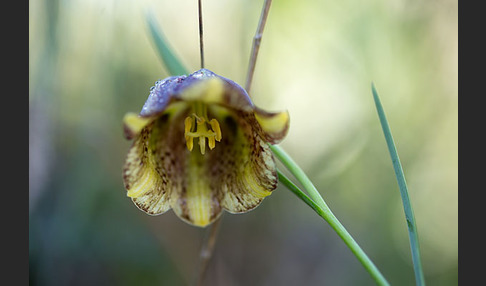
x=232, y=168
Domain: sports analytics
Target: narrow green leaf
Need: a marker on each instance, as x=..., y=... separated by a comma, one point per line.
x=299, y=193
x=402, y=184
x=299, y=175
x=169, y=59
x=323, y=211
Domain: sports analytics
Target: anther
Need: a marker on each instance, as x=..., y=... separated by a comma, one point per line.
x=211, y=142
x=217, y=130
x=199, y=127
x=187, y=129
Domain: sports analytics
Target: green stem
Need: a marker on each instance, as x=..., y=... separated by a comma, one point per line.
x=318, y=204
x=407, y=206
x=299, y=175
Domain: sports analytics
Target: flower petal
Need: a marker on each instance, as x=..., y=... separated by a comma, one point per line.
x=241, y=167
x=151, y=164
x=133, y=124
x=195, y=202
x=236, y=175
x=210, y=88
x=275, y=125
x=160, y=173
x=202, y=85
x=142, y=180
x=161, y=95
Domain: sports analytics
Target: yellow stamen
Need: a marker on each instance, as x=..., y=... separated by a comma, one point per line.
x=187, y=128
x=211, y=142
x=202, y=129
x=189, y=143
x=215, y=126
x=188, y=124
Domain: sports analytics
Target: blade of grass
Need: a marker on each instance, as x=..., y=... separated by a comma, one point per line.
x=324, y=211
x=402, y=184
x=171, y=62
x=338, y=227
x=299, y=175
x=299, y=193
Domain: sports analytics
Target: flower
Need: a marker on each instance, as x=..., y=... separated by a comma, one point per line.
x=164, y=169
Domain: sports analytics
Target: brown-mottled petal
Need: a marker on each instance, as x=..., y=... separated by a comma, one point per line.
x=275, y=125
x=241, y=167
x=161, y=173
x=153, y=163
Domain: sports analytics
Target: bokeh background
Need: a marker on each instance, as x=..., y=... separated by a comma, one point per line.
x=91, y=61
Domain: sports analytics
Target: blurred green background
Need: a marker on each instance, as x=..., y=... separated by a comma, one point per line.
x=92, y=61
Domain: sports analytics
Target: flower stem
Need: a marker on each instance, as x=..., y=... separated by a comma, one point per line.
x=256, y=44
x=317, y=203
x=207, y=250
x=201, y=44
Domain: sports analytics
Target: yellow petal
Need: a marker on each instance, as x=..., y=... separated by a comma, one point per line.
x=210, y=90
x=195, y=201
x=275, y=125
x=133, y=124
x=146, y=182
x=243, y=170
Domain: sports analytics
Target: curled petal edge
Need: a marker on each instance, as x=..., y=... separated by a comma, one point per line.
x=275, y=125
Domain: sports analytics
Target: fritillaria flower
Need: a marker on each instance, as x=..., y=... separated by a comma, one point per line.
x=200, y=147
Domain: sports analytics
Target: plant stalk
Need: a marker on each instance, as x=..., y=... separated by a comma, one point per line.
x=402, y=184
x=317, y=203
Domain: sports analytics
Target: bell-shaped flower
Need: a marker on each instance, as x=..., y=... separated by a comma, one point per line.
x=200, y=147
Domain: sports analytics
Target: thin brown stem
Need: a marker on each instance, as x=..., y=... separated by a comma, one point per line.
x=201, y=44
x=256, y=44
x=207, y=250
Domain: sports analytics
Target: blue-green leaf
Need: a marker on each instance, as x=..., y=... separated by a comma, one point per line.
x=168, y=57
x=402, y=184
